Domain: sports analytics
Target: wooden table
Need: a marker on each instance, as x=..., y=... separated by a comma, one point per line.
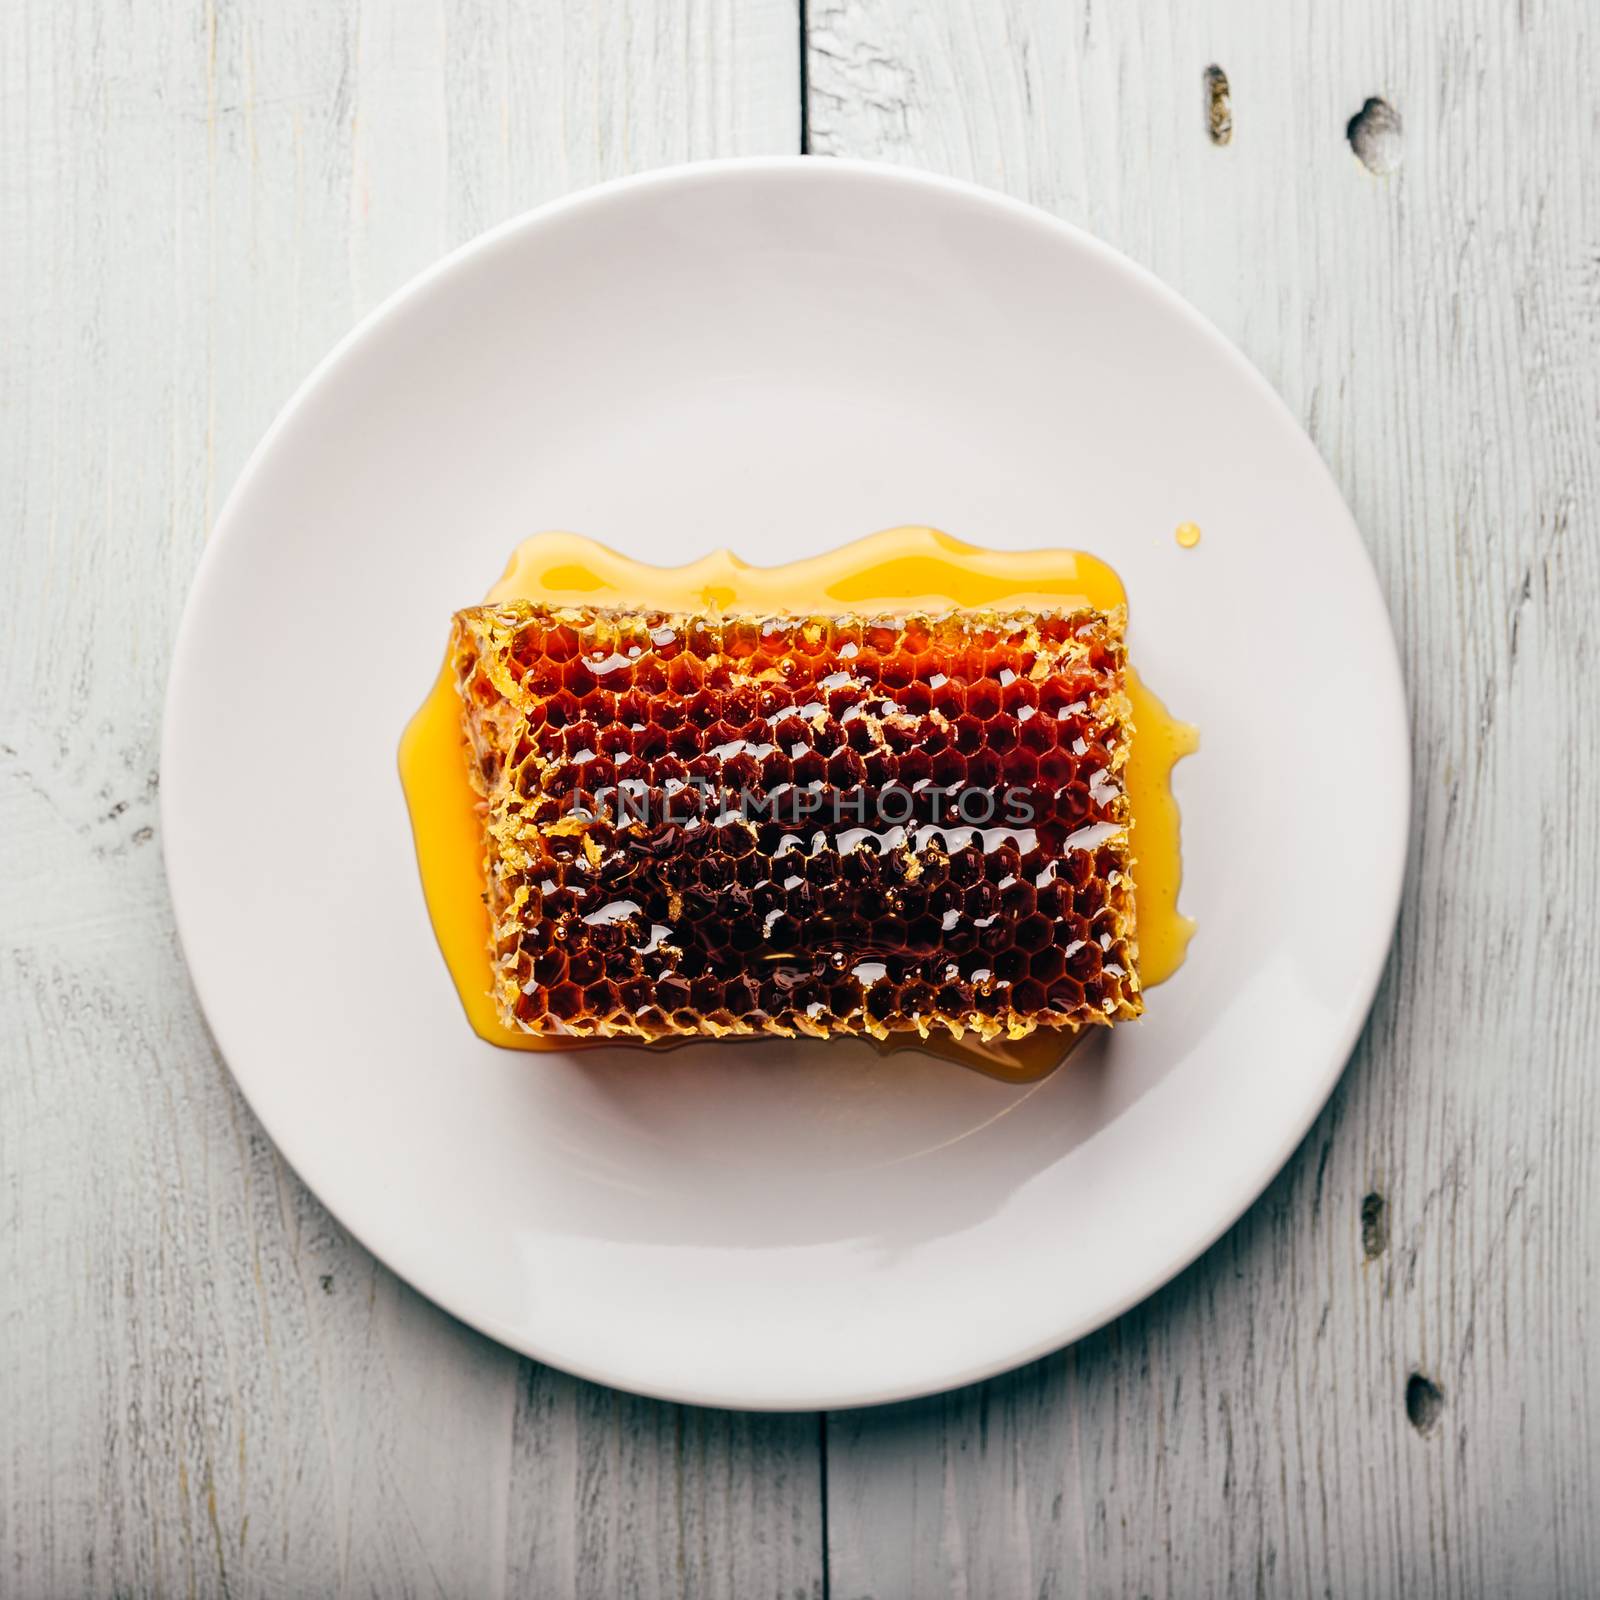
x=1381, y=1382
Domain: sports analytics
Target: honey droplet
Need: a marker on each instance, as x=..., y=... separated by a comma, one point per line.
x=1188, y=534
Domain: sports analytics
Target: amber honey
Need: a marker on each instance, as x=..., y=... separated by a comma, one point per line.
x=903, y=571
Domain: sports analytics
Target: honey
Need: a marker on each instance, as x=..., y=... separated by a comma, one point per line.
x=806, y=826
x=902, y=571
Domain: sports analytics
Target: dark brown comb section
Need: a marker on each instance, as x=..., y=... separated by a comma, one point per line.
x=801, y=825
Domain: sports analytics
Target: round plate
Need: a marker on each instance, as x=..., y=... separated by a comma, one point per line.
x=778, y=356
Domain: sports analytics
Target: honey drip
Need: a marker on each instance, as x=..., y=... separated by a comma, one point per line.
x=902, y=569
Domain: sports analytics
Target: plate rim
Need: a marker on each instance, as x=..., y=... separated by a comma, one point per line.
x=1388, y=887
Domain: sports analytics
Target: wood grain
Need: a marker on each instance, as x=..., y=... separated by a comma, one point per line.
x=1437, y=330
x=205, y=1386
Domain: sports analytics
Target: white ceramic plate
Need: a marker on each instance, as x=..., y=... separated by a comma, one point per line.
x=778, y=356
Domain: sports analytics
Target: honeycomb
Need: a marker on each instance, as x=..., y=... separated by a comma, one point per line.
x=808, y=825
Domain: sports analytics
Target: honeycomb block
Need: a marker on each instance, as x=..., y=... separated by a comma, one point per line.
x=801, y=825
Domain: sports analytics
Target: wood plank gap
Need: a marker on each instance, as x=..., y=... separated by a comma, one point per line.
x=803, y=7
x=822, y=1416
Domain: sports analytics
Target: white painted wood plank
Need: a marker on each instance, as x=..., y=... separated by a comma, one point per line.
x=205, y=1386
x=1438, y=331
x=615, y=1495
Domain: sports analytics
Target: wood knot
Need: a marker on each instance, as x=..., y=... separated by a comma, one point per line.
x=1374, y=133
x=1374, y=1226
x=1219, y=106
x=1424, y=1402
